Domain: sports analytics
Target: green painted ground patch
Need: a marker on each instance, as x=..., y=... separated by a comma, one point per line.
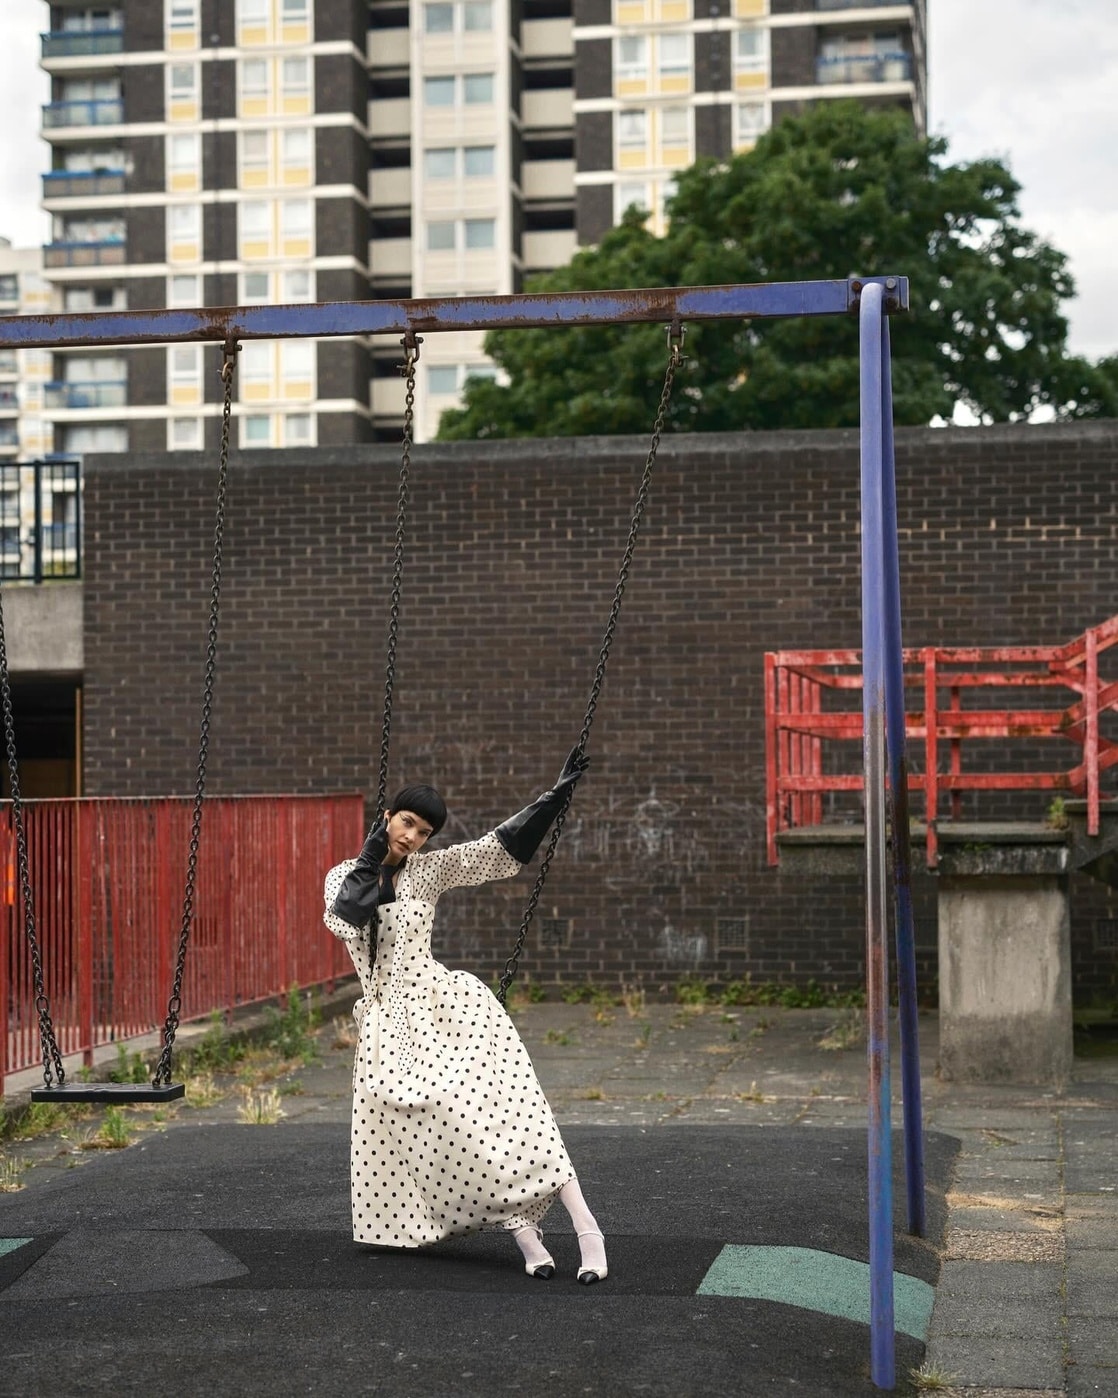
x=815, y=1281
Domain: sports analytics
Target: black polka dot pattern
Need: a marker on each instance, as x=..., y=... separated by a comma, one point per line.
x=451, y=1131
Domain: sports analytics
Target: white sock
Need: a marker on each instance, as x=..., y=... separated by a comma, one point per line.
x=530, y=1243
x=591, y=1244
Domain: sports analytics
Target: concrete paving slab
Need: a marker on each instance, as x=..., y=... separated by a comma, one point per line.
x=998, y=1362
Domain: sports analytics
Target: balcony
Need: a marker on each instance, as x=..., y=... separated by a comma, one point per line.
x=863, y=68
x=107, y=253
x=9, y=364
x=65, y=184
x=9, y=398
x=94, y=111
x=74, y=43
x=107, y=393
x=9, y=435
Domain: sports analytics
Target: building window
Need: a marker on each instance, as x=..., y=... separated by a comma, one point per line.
x=479, y=162
x=182, y=82
x=184, y=156
x=296, y=148
x=439, y=163
x=296, y=359
x=632, y=57
x=184, y=222
x=253, y=13
x=255, y=219
x=438, y=19
x=751, y=120
x=295, y=74
x=675, y=126
x=255, y=150
x=297, y=430
x=184, y=291
x=442, y=378
x=182, y=15
x=254, y=288
x=675, y=55
x=297, y=218
x=438, y=92
x=256, y=365
x=440, y=236
x=185, y=434
x=751, y=50
x=186, y=367
x=477, y=88
x=477, y=16
x=296, y=11
x=254, y=79
x=481, y=233
x=630, y=194
x=94, y=437
x=256, y=431
x=298, y=285
x=632, y=129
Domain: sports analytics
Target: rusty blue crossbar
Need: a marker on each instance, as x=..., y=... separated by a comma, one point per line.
x=321, y=319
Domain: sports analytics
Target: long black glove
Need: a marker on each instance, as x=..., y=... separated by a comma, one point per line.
x=521, y=834
x=359, y=894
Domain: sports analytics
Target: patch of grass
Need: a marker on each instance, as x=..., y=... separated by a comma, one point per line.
x=217, y=1051
x=202, y=1090
x=808, y=996
x=40, y=1119
x=633, y=998
x=558, y=1036
x=645, y=1034
x=593, y=1094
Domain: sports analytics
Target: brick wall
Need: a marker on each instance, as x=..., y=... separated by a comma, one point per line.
x=1008, y=535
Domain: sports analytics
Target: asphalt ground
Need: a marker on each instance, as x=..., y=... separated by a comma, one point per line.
x=724, y=1153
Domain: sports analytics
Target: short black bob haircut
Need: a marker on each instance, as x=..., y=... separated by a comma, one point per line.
x=423, y=801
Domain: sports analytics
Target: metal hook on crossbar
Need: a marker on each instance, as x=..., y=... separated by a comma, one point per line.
x=677, y=333
x=411, y=343
x=229, y=362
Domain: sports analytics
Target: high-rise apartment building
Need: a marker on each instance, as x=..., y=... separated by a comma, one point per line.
x=223, y=152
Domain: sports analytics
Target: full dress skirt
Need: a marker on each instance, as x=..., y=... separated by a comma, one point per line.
x=451, y=1132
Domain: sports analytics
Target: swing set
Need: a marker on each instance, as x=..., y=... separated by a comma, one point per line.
x=873, y=300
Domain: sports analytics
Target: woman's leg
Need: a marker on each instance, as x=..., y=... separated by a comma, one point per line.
x=591, y=1243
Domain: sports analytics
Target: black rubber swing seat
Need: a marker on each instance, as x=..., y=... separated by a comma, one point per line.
x=110, y=1093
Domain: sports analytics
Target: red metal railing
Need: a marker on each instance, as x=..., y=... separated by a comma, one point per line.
x=107, y=879
x=813, y=718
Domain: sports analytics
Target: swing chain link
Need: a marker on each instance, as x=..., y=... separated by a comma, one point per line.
x=676, y=333
x=411, y=343
x=174, y=1005
x=52, y=1058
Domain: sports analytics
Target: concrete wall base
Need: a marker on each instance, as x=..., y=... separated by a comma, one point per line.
x=1005, y=979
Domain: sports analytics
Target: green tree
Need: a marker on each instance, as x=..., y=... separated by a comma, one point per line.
x=838, y=192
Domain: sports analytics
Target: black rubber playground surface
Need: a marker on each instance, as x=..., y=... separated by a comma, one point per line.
x=218, y=1260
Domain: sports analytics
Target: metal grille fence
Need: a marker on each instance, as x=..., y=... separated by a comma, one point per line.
x=107, y=881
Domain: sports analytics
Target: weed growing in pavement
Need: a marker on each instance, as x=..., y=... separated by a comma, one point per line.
x=345, y=1032
x=593, y=1094
x=558, y=1036
x=114, y=1133
x=848, y=1032
x=202, y=1090
x=129, y=1067
x=645, y=1034
x=291, y=1030
x=217, y=1051
x=633, y=998
x=11, y=1167
x=260, y=1108
x=931, y=1379
x=40, y=1119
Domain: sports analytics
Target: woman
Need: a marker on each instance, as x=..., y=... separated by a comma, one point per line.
x=451, y=1131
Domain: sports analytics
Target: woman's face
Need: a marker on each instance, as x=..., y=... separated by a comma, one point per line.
x=407, y=833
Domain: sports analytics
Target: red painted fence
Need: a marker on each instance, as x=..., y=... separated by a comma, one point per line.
x=107, y=880
x=968, y=699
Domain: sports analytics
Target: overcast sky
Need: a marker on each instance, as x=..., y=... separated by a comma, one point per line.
x=1030, y=81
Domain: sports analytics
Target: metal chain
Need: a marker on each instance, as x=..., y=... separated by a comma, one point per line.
x=174, y=1004
x=52, y=1059
x=676, y=334
x=411, y=345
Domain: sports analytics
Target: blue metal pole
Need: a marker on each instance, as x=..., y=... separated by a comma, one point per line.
x=882, y=1347
x=902, y=841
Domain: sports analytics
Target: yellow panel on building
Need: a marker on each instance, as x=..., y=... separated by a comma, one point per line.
x=185, y=396
x=302, y=389
x=750, y=9
x=632, y=12
x=182, y=110
x=255, y=249
x=252, y=34
x=750, y=82
x=632, y=159
x=631, y=87
x=185, y=182
x=183, y=39
x=254, y=106
x=254, y=179
x=673, y=11
x=296, y=34
x=299, y=105
x=256, y=392
x=675, y=84
x=300, y=175
x=184, y=252
x=297, y=247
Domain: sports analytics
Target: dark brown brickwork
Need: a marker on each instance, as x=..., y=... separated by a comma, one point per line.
x=751, y=543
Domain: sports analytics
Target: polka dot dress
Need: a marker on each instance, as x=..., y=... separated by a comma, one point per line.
x=451, y=1131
